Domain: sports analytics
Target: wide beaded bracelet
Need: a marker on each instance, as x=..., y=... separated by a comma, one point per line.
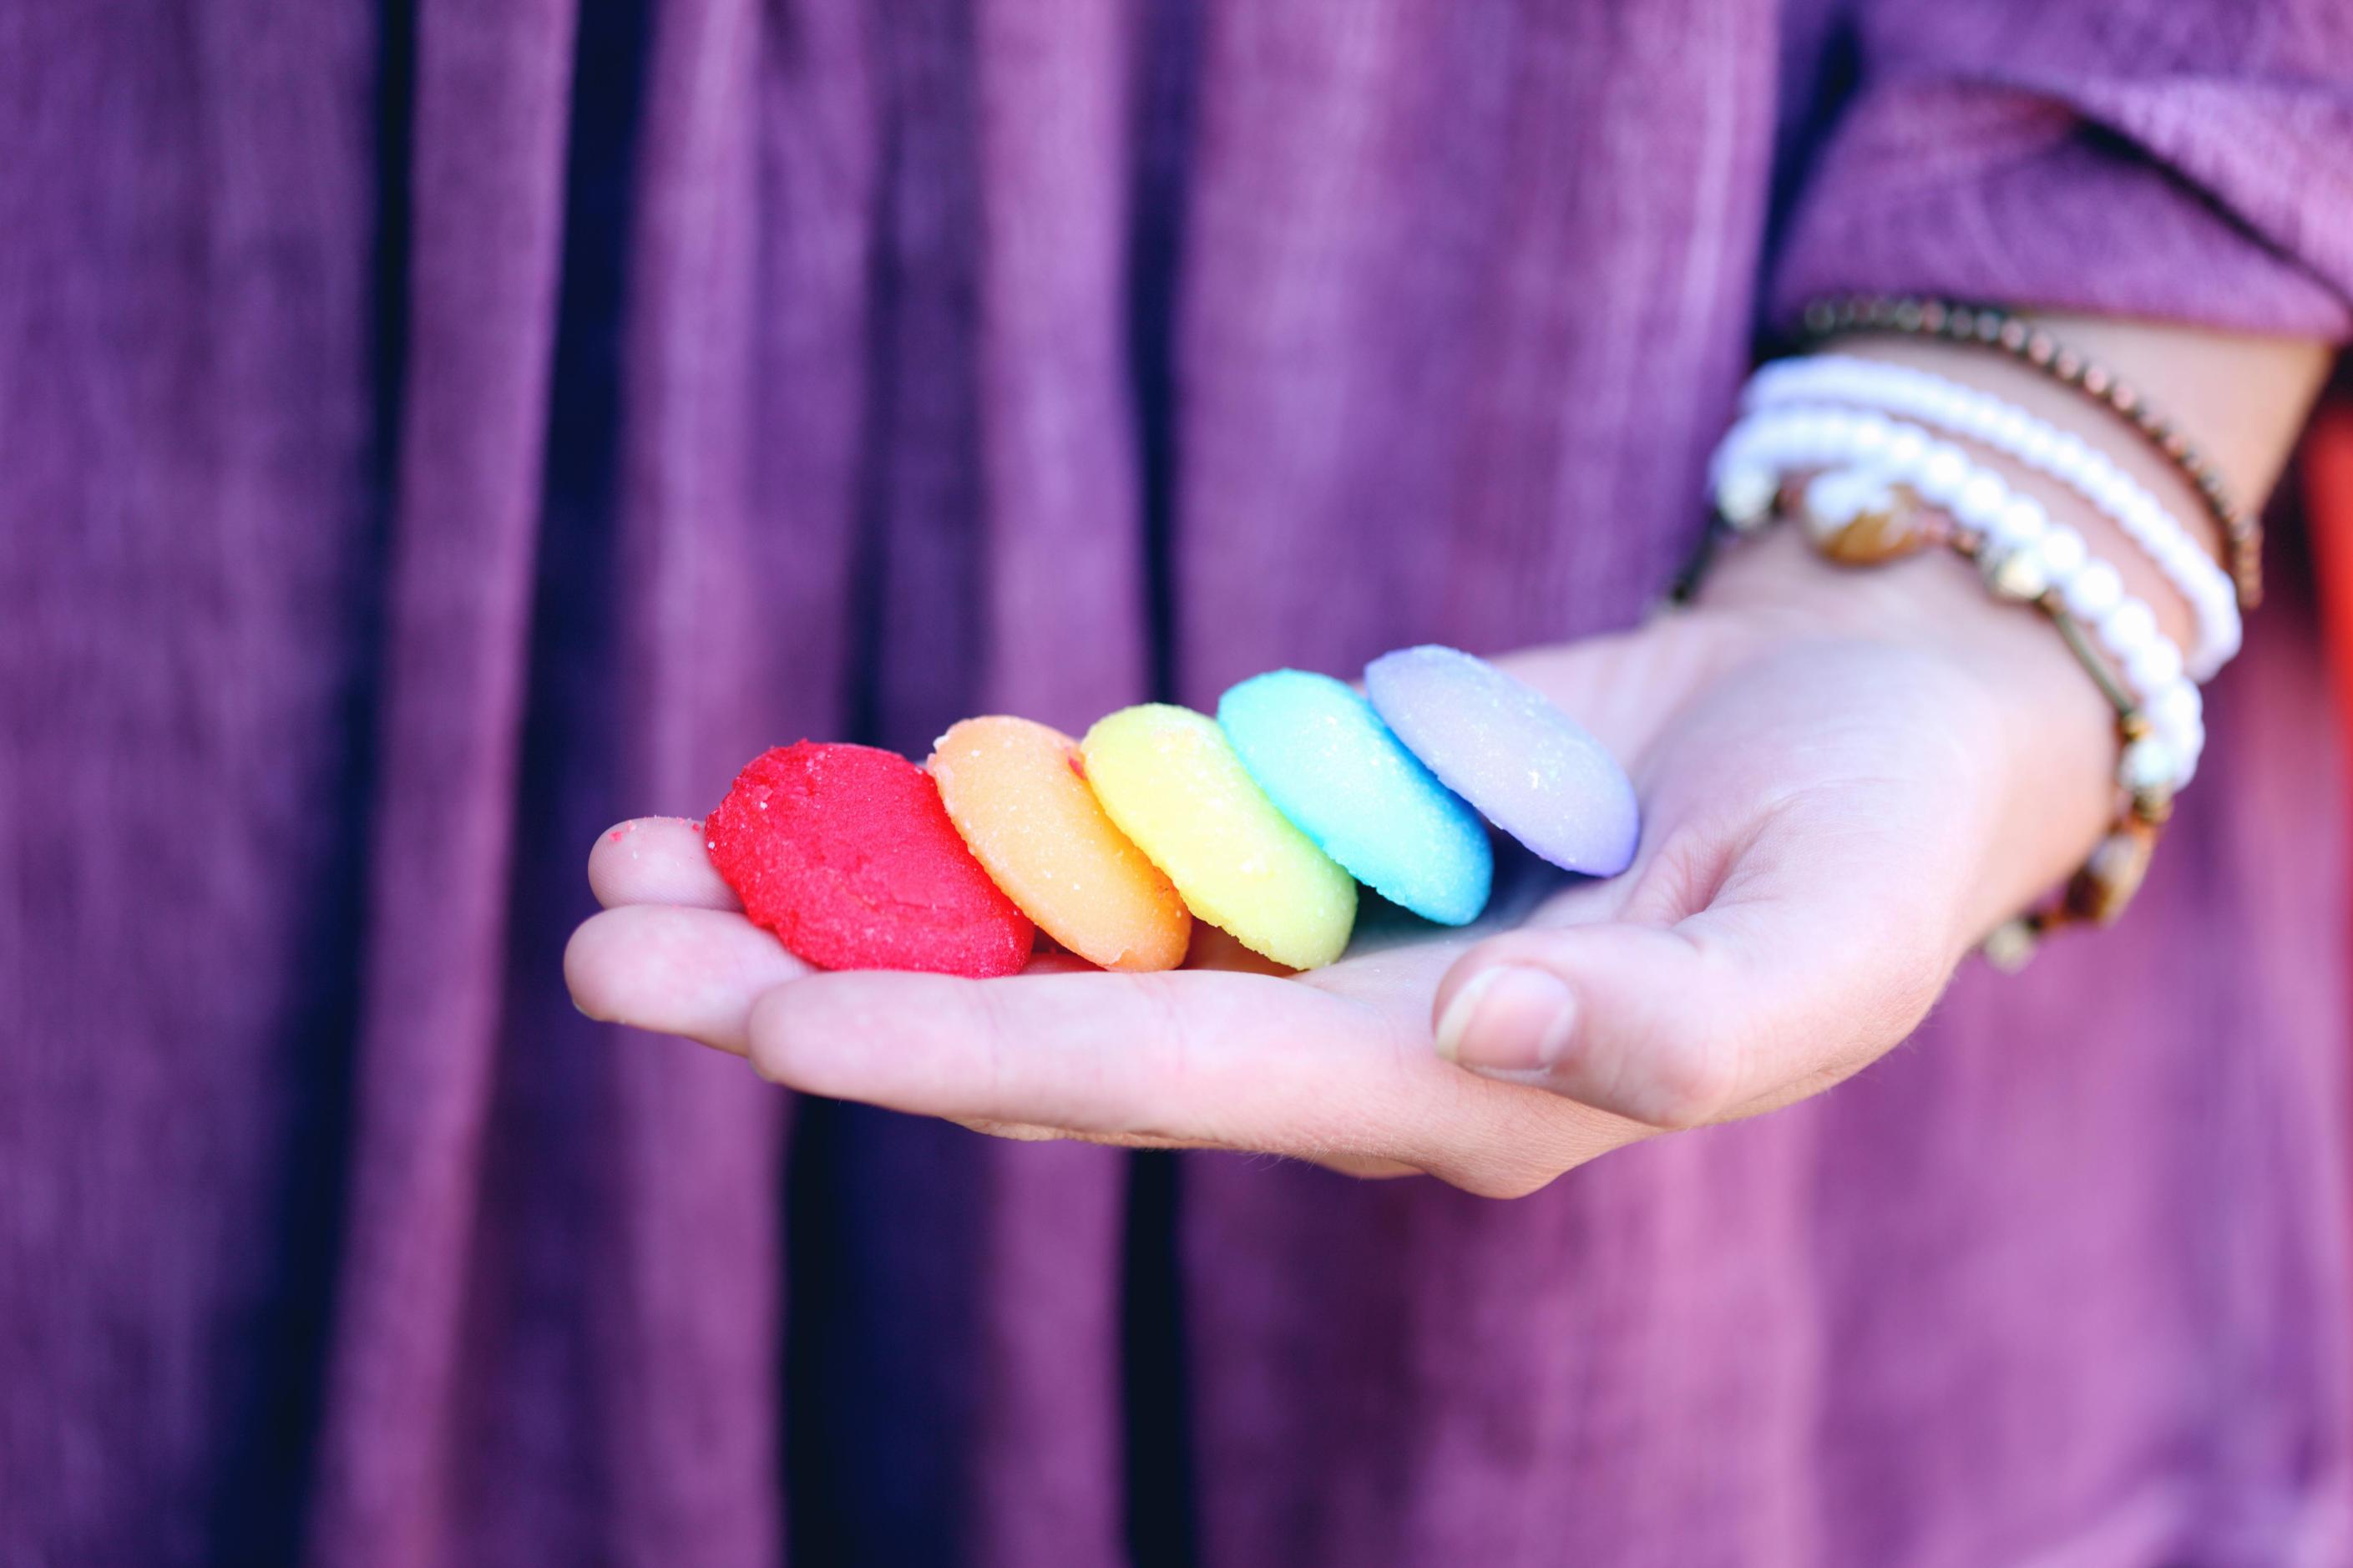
x=1956, y=409
x=2035, y=346
x=1866, y=499
x=2023, y=555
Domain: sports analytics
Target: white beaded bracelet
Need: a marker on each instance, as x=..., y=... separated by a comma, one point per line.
x=1966, y=411
x=1858, y=458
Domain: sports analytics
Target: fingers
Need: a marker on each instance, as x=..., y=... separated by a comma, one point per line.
x=656, y=860
x=1227, y=1060
x=1180, y=1057
x=1362, y=1167
x=1816, y=953
x=675, y=971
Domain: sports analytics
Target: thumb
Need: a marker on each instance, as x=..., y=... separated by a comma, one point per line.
x=1802, y=968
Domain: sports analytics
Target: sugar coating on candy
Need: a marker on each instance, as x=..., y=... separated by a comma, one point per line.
x=1017, y=791
x=1496, y=742
x=846, y=853
x=1324, y=758
x=1170, y=781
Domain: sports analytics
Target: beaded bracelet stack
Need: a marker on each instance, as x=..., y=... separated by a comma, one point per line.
x=1958, y=410
x=1992, y=327
x=1853, y=448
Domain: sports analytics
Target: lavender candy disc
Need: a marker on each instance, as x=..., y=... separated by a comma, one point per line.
x=1528, y=767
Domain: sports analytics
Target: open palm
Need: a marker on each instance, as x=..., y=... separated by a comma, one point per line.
x=1832, y=813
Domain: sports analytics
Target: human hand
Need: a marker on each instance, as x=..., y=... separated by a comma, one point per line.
x=1846, y=780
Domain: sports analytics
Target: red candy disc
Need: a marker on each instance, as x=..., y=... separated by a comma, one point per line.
x=846, y=853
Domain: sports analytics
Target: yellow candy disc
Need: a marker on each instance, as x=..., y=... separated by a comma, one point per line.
x=1014, y=791
x=1170, y=780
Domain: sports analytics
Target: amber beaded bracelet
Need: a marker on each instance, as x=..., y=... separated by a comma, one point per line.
x=1992, y=327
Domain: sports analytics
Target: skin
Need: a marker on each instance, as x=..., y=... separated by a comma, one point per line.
x=1848, y=778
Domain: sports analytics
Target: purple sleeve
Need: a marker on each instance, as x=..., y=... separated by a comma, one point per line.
x=2187, y=160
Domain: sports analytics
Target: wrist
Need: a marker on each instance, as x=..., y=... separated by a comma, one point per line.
x=1880, y=458
x=2027, y=722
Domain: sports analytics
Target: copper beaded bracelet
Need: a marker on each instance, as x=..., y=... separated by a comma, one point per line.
x=1990, y=326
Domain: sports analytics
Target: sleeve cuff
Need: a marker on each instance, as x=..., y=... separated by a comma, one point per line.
x=2210, y=203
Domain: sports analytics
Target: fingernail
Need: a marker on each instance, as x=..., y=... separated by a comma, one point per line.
x=1508, y=1019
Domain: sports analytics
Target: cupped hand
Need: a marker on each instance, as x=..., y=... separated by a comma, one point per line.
x=1846, y=780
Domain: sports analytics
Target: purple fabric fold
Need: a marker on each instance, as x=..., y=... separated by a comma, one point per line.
x=426, y=445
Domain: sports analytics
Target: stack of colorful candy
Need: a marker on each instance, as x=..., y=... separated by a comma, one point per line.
x=1261, y=821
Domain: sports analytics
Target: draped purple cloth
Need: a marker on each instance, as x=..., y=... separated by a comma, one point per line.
x=430, y=432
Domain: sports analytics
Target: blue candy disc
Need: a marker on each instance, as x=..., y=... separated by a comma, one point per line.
x=1329, y=765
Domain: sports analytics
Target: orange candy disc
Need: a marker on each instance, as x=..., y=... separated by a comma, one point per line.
x=1018, y=793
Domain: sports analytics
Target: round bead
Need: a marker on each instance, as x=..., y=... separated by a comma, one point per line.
x=2154, y=666
x=1943, y=474
x=2093, y=592
x=2148, y=764
x=2021, y=521
x=1743, y=444
x=1744, y=496
x=2113, y=491
x=1834, y=498
x=2177, y=708
x=2179, y=562
x=2129, y=626
x=1907, y=449
x=2187, y=746
x=2014, y=572
x=1981, y=500
x=1783, y=442
x=2011, y=946
x=2062, y=550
